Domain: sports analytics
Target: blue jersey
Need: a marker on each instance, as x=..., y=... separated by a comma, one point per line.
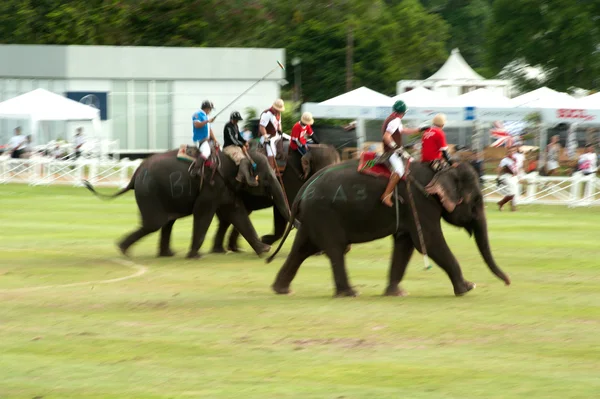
x=200, y=133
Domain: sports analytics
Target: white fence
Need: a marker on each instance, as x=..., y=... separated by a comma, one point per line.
x=47, y=171
x=577, y=190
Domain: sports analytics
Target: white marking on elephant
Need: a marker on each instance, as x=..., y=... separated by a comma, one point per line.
x=361, y=191
x=140, y=270
x=340, y=192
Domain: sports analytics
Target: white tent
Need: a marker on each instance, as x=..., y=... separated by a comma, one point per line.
x=422, y=97
x=456, y=68
x=591, y=101
x=543, y=95
x=360, y=97
x=42, y=105
x=483, y=98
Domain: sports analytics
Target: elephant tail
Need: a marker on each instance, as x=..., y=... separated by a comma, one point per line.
x=129, y=186
x=291, y=224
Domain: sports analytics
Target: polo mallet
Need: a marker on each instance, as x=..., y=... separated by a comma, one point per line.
x=279, y=66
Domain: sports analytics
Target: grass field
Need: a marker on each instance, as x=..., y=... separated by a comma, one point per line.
x=213, y=329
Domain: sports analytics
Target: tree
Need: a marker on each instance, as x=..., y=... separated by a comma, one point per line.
x=562, y=36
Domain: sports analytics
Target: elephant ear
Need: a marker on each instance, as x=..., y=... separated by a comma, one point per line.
x=445, y=185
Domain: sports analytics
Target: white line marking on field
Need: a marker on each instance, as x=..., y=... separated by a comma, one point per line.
x=141, y=270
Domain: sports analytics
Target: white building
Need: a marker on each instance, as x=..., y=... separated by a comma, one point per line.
x=146, y=95
x=455, y=78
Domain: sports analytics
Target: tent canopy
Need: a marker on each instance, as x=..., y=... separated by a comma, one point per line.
x=456, y=68
x=542, y=98
x=591, y=101
x=43, y=105
x=422, y=97
x=359, y=97
x=483, y=98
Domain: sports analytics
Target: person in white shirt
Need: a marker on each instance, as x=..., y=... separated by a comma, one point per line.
x=507, y=179
x=269, y=129
x=519, y=158
x=79, y=141
x=587, y=163
x=17, y=143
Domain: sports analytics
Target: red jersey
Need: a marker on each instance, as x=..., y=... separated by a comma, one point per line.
x=433, y=141
x=300, y=132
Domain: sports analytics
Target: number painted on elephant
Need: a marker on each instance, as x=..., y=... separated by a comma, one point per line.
x=340, y=195
x=360, y=191
x=142, y=182
x=177, y=186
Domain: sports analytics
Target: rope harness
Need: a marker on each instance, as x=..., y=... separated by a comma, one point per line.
x=427, y=264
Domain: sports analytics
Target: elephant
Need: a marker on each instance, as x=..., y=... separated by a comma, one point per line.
x=165, y=192
x=321, y=155
x=340, y=205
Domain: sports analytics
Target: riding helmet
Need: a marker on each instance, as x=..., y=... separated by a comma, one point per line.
x=235, y=116
x=399, y=107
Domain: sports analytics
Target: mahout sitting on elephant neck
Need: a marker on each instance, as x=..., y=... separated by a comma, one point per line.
x=339, y=206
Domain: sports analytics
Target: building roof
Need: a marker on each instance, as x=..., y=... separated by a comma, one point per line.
x=456, y=68
x=361, y=96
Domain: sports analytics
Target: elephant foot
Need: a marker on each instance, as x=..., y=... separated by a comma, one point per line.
x=123, y=249
x=194, y=255
x=349, y=292
x=269, y=239
x=235, y=248
x=281, y=290
x=218, y=250
x=263, y=249
x=466, y=287
x=166, y=253
x=395, y=291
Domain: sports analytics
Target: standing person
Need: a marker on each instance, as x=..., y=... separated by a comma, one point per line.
x=202, y=130
x=79, y=142
x=553, y=153
x=269, y=129
x=392, y=131
x=433, y=142
x=300, y=132
x=507, y=176
x=587, y=163
x=235, y=147
x=17, y=143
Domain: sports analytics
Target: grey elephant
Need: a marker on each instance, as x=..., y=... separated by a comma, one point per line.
x=165, y=191
x=339, y=206
x=321, y=155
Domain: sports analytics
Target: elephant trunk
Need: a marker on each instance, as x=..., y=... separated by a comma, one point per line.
x=279, y=198
x=483, y=243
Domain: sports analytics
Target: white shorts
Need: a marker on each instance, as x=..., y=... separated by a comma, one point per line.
x=204, y=149
x=552, y=165
x=509, y=184
x=397, y=164
x=272, y=147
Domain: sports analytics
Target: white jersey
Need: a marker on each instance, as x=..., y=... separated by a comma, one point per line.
x=587, y=162
x=267, y=117
x=394, y=125
x=519, y=160
x=510, y=163
x=17, y=142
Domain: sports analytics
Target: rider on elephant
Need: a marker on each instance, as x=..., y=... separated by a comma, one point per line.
x=392, y=142
x=202, y=130
x=269, y=129
x=433, y=144
x=235, y=147
x=300, y=132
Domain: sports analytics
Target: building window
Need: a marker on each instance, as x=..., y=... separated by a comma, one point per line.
x=118, y=112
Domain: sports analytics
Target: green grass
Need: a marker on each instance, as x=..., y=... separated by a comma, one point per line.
x=212, y=328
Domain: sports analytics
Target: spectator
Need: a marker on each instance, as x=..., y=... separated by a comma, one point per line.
x=507, y=179
x=17, y=143
x=587, y=163
x=553, y=153
x=79, y=142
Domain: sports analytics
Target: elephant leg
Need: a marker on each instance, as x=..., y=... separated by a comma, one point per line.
x=203, y=216
x=439, y=251
x=164, y=248
x=232, y=243
x=279, y=224
x=153, y=219
x=134, y=237
x=403, y=250
x=238, y=216
x=302, y=248
x=220, y=235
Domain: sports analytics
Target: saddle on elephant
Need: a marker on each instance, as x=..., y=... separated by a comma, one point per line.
x=377, y=164
x=191, y=154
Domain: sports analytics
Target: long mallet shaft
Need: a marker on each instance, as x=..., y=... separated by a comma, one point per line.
x=279, y=66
